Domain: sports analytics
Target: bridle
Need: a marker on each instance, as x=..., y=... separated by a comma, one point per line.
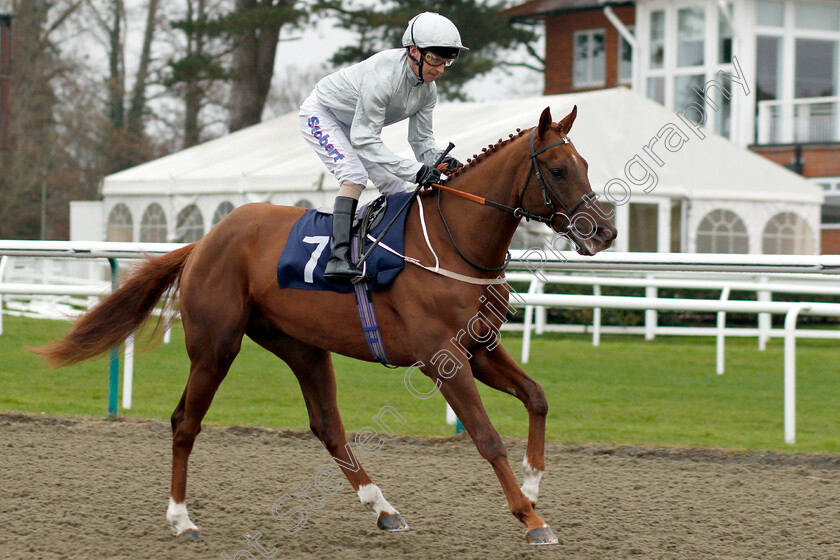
x=549, y=196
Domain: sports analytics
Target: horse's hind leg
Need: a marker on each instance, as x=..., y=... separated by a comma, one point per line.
x=211, y=350
x=497, y=369
x=314, y=371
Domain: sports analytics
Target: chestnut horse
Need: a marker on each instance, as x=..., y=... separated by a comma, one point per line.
x=228, y=288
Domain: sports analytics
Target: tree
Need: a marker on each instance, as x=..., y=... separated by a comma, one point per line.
x=137, y=107
x=201, y=66
x=487, y=33
x=255, y=27
x=124, y=140
x=29, y=167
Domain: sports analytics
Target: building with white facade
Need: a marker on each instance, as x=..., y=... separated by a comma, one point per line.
x=684, y=53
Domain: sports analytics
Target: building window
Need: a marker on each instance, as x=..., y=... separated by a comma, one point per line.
x=657, y=39
x=644, y=227
x=153, y=225
x=589, y=59
x=831, y=185
x=722, y=231
x=688, y=90
x=691, y=36
x=831, y=204
x=120, y=224
x=771, y=13
x=768, y=75
x=189, y=226
x=787, y=234
x=723, y=116
x=816, y=68
x=656, y=89
x=725, y=36
x=222, y=210
x=625, y=59
x=676, y=226
x=819, y=17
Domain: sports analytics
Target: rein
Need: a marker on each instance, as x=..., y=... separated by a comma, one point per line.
x=520, y=212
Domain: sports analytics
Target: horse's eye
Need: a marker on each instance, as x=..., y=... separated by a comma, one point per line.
x=557, y=173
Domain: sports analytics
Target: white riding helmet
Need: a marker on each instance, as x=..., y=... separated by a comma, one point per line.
x=429, y=29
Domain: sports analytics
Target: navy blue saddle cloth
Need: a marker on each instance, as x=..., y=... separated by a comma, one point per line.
x=301, y=265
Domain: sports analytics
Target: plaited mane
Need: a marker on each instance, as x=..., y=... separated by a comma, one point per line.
x=478, y=158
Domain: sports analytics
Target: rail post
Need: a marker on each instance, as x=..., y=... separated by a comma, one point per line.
x=114, y=368
x=790, y=372
x=721, y=332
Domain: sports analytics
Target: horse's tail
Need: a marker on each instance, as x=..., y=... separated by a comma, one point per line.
x=118, y=315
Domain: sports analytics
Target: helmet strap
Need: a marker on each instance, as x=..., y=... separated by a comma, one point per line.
x=419, y=63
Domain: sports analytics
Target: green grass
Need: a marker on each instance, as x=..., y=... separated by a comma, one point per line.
x=627, y=390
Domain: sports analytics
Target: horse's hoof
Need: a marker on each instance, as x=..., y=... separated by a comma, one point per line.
x=393, y=522
x=190, y=534
x=543, y=535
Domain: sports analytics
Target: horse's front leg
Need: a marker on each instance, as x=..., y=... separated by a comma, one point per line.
x=461, y=393
x=497, y=369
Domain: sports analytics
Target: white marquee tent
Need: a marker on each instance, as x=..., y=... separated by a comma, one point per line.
x=693, y=194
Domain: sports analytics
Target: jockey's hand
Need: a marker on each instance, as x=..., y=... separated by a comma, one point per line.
x=451, y=162
x=428, y=175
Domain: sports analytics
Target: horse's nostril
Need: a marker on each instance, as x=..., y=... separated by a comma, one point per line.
x=606, y=233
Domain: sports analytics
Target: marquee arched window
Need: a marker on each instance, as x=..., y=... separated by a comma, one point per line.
x=120, y=224
x=222, y=210
x=153, y=224
x=787, y=234
x=722, y=231
x=189, y=226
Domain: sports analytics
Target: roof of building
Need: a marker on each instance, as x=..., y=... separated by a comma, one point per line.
x=537, y=9
x=613, y=126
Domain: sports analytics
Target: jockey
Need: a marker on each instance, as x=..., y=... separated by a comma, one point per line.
x=343, y=117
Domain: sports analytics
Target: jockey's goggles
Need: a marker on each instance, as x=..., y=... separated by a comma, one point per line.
x=432, y=59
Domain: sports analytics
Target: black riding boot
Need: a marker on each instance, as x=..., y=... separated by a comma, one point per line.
x=339, y=268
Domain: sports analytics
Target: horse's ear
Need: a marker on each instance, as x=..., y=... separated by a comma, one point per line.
x=568, y=120
x=545, y=122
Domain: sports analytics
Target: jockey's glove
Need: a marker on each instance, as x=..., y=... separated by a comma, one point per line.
x=428, y=175
x=453, y=163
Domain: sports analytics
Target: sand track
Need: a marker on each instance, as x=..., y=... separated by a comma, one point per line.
x=82, y=488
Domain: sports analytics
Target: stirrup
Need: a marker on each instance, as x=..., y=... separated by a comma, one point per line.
x=349, y=274
x=363, y=276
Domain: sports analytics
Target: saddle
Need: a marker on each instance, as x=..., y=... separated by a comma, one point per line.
x=305, y=255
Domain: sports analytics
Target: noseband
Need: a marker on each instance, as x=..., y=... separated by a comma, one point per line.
x=549, y=196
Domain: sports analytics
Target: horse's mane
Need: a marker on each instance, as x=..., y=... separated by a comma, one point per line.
x=478, y=158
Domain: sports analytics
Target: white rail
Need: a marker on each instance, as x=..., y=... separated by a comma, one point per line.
x=84, y=249
x=761, y=285
x=537, y=262
x=790, y=310
x=541, y=260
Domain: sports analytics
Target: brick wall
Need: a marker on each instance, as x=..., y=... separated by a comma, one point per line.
x=819, y=160
x=830, y=242
x=559, y=46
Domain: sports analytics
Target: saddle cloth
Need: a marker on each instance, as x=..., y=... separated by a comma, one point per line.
x=301, y=264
